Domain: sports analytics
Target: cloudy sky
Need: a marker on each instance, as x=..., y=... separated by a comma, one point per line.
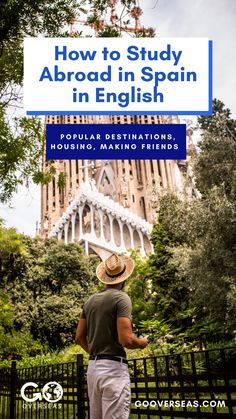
x=214, y=19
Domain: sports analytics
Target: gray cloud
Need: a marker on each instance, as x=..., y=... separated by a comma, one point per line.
x=214, y=19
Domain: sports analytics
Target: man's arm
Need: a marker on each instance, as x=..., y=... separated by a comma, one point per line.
x=81, y=335
x=126, y=337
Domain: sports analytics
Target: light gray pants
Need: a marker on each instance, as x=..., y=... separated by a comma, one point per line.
x=108, y=389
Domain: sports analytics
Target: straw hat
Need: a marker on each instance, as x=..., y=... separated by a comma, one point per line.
x=115, y=269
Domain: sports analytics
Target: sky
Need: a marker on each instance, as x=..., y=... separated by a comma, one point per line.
x=214, y=19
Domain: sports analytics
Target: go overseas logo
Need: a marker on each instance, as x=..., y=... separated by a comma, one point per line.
x=51, y=392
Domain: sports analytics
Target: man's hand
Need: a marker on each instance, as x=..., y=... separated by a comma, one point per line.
x=143, y=342
x=126, y=336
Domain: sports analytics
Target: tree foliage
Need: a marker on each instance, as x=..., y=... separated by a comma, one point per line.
x=13, y=343
x=189, y=281
x=215, y=165
x=171, y=294
x=140, y=291
x=160, y=297
x=206, y=229
x=46, y=283
x=21, y=151
x=102, y=5
x=19, y=19
x=205, y=257
x=10, y=245
x=57, y=280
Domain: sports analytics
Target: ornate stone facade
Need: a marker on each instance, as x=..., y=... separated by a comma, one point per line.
x=101, y=224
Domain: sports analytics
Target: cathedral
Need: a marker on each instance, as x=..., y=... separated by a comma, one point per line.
x=109, y=205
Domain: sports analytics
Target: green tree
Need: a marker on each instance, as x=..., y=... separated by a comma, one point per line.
x=215, y=173
x=46, y=283
x=14, y=344
x=11, y=243
x=102, y=5
x=160, y=297
x=170, y=293
x=195, y=243
x=205, y=257
x=19, y=19
x=48, y=288
x=215, y=164
x=140, y=290
x=206, y=228
x=21, y=151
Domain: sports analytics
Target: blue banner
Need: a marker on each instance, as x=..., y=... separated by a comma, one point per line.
x=116, y=142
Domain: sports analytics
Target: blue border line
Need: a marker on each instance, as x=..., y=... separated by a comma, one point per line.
x=30, y=113
x=210, y=81
x=208, y=112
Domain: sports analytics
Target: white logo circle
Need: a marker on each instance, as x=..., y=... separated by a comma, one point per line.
x=52, y=392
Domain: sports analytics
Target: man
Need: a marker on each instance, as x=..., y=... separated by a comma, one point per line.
x=104, y=330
